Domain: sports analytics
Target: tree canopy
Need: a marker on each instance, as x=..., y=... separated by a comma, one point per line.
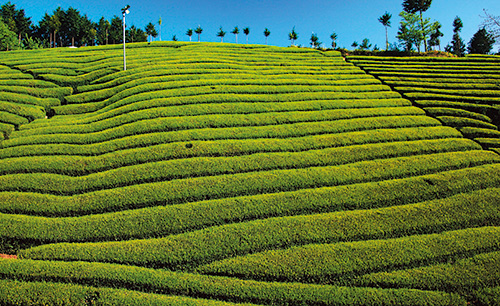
x=481, y=43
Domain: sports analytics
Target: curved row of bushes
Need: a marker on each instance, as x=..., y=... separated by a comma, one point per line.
x=81, y=289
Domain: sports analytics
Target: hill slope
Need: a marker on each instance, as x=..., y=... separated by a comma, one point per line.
x=227, y=174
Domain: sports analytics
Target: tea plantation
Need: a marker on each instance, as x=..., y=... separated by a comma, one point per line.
x=223, y=174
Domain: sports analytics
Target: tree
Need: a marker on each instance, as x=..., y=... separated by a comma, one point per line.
x=236, y=31
x=481, y=43
x=334, y=40
x=293, y=36
x=159, y=24
x=198, y=31
x=16, y=20
x=434, y=37
x=221, y=34
x=267, y=33
x=365, y=44
x=457, y=44
x=116, y=30
x=8, y=39
x=151, y=31
x=103, y=27
x=412, y=31
x=414, y=6
x=491, y=24
x=315, y=43
x=246, y=31
x=55, y=24
x=385, y=20
x=355, y=45
x=189, y=33
x=134, y=34
x=174, y=38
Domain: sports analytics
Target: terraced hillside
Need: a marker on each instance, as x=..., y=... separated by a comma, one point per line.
x=460, y=92
x=217, y=174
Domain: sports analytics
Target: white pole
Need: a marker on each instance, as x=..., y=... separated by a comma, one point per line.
x=124, y=56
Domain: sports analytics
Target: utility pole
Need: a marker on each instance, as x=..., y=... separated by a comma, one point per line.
x=124, y=12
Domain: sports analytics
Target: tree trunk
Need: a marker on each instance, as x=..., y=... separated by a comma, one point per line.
x=106, y=36
x=422, y=28
x=386, y=40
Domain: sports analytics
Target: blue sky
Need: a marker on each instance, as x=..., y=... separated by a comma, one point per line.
x=352, y=20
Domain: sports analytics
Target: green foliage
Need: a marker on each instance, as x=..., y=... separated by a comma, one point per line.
x=234, y=290
x=481, y=43
x=8, y=39
x=463, y=276
x=47, y=293
x=333, y=263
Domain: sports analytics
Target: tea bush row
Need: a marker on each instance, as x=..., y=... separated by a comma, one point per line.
x=173, y=82
x=183, y=123
x=215, y=104
x=203, y=246
x=334, y=263
x=27, y=111
x=47, y=293
x=399, y=141
x=277, y=93
x=183, y=118
x=248, y=184
x=212, y=166
x=463, y=276
x=75, y=278
x=59, y=145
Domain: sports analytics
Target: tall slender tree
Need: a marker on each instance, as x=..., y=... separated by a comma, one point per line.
x=420, y=6
x=116, y=30
x=434, y=39
x=293, y=36
x=236, y=31
x=221, y=34
x=189, y=33
x=267, y=33
x=159, y=24
x=198, y=31
x=151, y=31
x=334, y=37
x=103, y=31
x=457, y=44
x=246, y=31
x=385, y=20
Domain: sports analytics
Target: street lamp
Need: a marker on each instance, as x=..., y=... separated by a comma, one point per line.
x=124, y=12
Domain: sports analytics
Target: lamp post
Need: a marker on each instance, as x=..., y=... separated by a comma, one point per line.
x=124, y=12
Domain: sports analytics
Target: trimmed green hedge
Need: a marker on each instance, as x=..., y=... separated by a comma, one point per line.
x=465, y=122
x=321, y=93
x=68, y=145
x=489, y=296
x=397, y=142
x=209, y=183
x=463, y=276
x=175, y=82
x=45, y=293
x=338, y=262
x=216, y=122
x=220, y=288
x=166, y=119
x=188, y=250
x=456, y=112
x=30, y=112
x=214, y=104
x=13, y=119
